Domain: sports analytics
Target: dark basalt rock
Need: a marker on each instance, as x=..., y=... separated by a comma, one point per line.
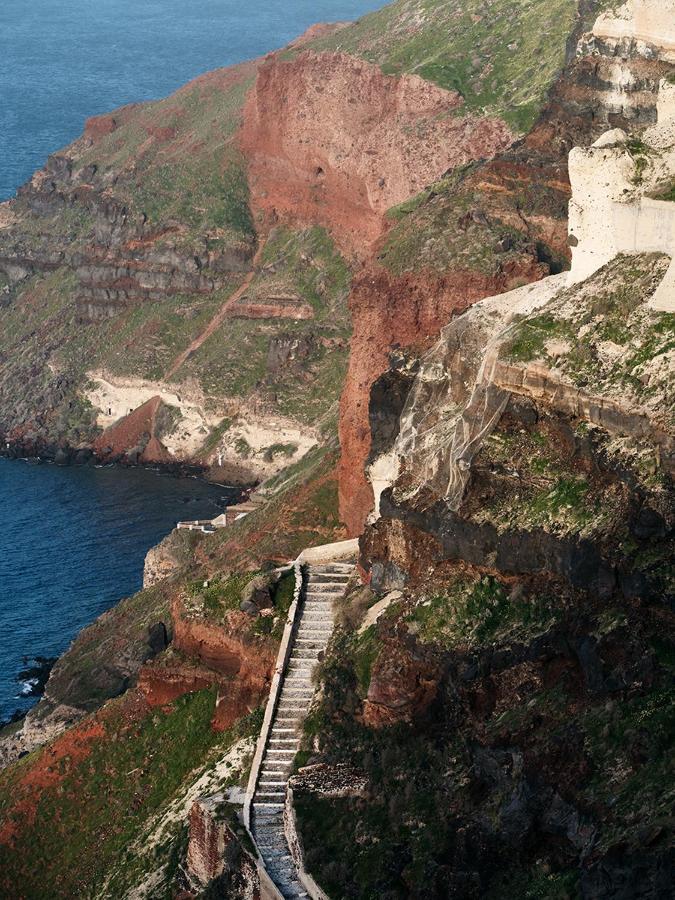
x=249, y=608
x=388, y=397
x=622, y=875
x=158, y=638
x=578, y=561
x=62, y=457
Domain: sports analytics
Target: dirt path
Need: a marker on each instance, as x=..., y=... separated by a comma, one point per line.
x=219, y=317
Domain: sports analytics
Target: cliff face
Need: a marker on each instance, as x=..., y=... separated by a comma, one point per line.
x=332, y=140
x=487, y=229
x=502, y=684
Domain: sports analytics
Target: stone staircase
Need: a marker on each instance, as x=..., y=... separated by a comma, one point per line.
x=322, y=585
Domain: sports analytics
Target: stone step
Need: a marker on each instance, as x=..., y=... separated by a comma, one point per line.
x=268, y=816
x=272, y=848
x=272, y=838
x=321, y=619
x=333, y=567
x=323, y=591
x=277, y=856
x=324, y=585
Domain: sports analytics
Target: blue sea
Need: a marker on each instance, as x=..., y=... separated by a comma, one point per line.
x=72, y=543
x=62, y=61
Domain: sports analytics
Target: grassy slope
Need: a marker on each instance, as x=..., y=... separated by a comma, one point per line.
x=194, y=175
x=439, y=230
x=624, y=347
x=302, y=511
x=501, y=56
x=295, y=263
x=82, y=816
x=174, y=183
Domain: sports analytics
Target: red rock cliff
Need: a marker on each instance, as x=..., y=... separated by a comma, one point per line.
x=332, y=140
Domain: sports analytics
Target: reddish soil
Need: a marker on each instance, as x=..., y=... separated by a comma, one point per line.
x=162, y=684
x=331, y=140
x=403, y=683
x=242, y=665
x=54, y=762
x=98, y=127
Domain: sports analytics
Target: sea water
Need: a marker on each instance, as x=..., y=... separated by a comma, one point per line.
x=72, y=543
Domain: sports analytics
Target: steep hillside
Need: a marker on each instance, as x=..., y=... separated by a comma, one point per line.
x=188, y=261
x=457, y=218
x=483, y=229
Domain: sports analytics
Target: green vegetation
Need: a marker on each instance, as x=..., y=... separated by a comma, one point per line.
x=305, y=265
x=242, y=447
x=301, y=511
x=614, y=734
x=186, y=166
x=95, y=820
x=221, y=594
x=536, y=484
x=532, y=336
x=280, y=450
x=101, y=661
x=668, y=193
x=475, y=611
x=502, y=58
x=641, y=154
x=610, y=308
x=283, y=598
x=458, y=769
x=443, y=228
x=365, y=651
x=216, y=435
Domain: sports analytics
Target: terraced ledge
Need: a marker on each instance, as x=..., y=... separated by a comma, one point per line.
x=322, y=574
